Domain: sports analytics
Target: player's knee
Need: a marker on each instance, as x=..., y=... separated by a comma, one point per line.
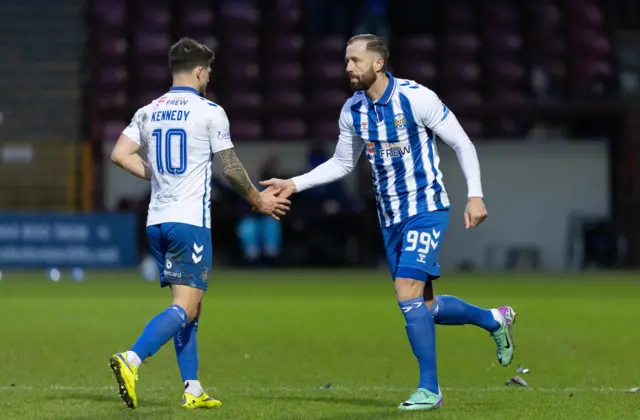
x=408, y=288
x=191, y=308
x=192, y=312
x=189, y=299
x=429, y=295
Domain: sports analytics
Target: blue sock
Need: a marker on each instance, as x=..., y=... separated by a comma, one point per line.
x=187, y=351
x=449, y=310
x=160, y=330
x=422, y=336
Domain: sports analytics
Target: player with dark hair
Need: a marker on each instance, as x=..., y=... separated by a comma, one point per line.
x=396, y=122
x=182, y=131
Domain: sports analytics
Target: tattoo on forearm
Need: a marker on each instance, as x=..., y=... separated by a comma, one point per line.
x=234, y=171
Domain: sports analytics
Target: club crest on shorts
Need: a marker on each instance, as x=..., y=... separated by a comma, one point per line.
x=204, y=276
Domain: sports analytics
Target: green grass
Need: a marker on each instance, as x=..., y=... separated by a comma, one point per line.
x=268, y=340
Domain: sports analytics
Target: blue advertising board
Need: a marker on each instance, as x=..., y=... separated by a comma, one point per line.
x=92, y=240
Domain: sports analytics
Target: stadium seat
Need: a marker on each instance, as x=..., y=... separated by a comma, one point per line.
x=286, y=98
x=325, y=72
x=151, y=44
x=461, y=72
x=286, y=14
x=245, y=45
x=459, y=16
x=331, y=46
x=241, y=73
x=501, y=41
x=153, y=15
x=110, y=78
x=551, y=46
x=591, y=43
x=504, y=71
x=285, y=73
x=461, y=45
x=110, y=48
x=152, y=74
x=108, y=13
x=330, y=98
x=246, y=129
x=421, y=71
x=239, y=14
x=506, y=95
x=285, y=45
x=457, y=98
x=501, y=13
x=250, y=98
x=325, y=129
x=423, y=45
x=286, y=129
x=110, y=101
x=198, y=16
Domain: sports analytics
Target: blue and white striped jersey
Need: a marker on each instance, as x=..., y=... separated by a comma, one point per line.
x=398, y=133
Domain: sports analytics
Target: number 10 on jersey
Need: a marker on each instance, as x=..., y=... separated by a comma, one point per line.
x=164, y=141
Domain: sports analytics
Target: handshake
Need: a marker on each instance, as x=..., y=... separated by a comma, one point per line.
x=274, y=199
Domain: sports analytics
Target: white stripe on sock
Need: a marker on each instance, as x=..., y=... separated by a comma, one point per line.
x=193, y=387
x=133, y=359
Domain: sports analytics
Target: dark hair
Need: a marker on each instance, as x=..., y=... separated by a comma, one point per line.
x=187, y=54
x=376, y=44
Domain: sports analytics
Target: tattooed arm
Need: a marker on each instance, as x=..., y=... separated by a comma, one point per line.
x=237, y=176
x=265, y=202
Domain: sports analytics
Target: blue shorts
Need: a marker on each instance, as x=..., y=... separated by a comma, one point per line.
x=413, y=245
x=182, y=252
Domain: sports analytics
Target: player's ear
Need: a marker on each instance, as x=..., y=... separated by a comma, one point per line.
x=379, y=64
x=198, y=72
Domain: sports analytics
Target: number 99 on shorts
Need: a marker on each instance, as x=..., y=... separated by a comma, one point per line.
x=421, y=242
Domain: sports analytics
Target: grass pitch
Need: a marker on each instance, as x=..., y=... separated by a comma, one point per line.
x=270, y=340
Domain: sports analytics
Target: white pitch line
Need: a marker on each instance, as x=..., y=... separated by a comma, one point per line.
x=104, y=389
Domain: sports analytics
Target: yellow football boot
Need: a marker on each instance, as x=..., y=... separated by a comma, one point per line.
x=126, y=375
x=203, y=401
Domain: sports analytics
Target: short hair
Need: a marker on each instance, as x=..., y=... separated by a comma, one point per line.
x=187, y=54
x=375, y=44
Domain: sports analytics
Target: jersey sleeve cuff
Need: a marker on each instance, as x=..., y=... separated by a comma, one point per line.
x=133, y=135
x=220, y=148
x=298, y=181
x=474, y=187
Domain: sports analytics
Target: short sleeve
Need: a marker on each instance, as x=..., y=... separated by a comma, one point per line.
x=219, y=131
x=133, y=130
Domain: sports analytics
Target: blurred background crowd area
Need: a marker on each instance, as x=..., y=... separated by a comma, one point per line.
x=280, y=70
x=547, y=90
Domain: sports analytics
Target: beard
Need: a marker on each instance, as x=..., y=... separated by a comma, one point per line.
x=203, y=91
x=364, y=81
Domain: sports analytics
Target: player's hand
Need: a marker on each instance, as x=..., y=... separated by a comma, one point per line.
x=286, y=186
x=271, y=204
x=475, y=213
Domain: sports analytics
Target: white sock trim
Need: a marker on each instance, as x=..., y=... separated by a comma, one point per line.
x=193, y=387
x=133, y=359
x=497, y=316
